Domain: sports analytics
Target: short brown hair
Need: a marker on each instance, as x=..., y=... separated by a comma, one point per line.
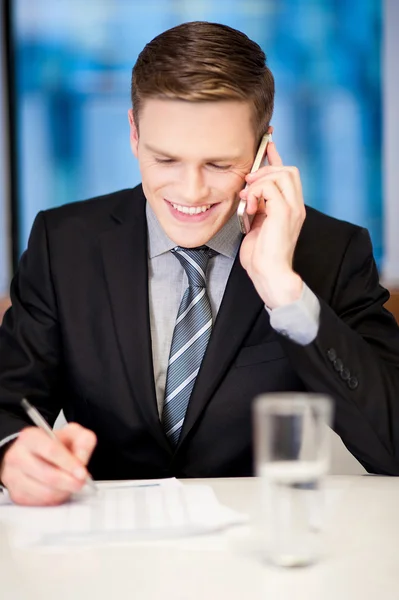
x=201, y=61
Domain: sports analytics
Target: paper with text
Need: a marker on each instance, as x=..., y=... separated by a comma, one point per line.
x=121, y=513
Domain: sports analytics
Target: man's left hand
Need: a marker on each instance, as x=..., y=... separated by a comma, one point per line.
x=274, y=193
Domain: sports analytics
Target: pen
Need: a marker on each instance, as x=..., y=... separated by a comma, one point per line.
x=39, y=421
x=132, y=485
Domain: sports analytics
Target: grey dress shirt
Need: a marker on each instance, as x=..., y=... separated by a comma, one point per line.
x=168, y=282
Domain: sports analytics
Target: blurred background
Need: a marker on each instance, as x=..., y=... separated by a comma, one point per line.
x=65, y=92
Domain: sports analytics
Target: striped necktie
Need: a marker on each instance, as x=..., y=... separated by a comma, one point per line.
x=190, y=338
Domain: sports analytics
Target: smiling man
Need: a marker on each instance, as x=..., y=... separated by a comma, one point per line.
x=193, y=162
x=147, y=318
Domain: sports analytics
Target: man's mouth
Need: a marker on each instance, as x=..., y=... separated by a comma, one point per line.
x=191, y=210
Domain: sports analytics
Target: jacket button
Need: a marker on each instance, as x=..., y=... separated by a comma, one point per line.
x=338, y=364
x=353, y=383
x=332, y=355
x=345, y=374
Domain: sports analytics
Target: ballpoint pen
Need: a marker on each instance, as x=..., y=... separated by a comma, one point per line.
x=39, y=421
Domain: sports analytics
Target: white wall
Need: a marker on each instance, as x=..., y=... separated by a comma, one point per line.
x=390, y=268
x=5, y=242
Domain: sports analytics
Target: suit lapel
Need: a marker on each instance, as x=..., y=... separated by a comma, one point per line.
x=240, y=307
x=125, y=258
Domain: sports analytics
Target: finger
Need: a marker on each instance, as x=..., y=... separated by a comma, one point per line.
x=257, y=223
x=296, y=178
x=41, y=445
x=259, y=178
x=273, y=156
x=289, y=183
x=286, y=184
x=281, y=201
x=262, y=172
x=43, y=472
x=259, y=193
x=26, y=491
x=79, y=440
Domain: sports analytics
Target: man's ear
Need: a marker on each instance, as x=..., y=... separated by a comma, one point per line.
x=134, y=134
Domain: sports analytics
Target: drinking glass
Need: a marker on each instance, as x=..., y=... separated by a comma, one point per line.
x=292, y=455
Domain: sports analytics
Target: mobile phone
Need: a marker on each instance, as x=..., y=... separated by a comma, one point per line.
x=244, y=219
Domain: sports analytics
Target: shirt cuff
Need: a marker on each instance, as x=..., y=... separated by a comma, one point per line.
x=3, y=442
x=299, y=321
x=7, y=439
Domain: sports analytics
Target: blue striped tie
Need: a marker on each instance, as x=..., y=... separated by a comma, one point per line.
x=190, y=338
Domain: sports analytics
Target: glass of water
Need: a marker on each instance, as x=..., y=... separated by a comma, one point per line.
x=292, y=455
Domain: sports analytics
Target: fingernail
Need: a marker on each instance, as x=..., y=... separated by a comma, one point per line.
x=82, y=455
x=79, y=473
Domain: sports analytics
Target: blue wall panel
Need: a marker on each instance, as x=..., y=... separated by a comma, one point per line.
x=73, y=79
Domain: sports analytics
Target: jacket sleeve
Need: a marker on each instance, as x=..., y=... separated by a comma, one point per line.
x=30, y=340
x=355, y=359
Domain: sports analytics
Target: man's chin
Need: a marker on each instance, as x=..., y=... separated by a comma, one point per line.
x=188, y=237
x=190, y=241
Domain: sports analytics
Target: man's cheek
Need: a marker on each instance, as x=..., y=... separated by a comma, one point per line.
x=234, y=182
x=154, y=179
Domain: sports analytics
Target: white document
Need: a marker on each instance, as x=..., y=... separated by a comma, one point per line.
x=121, y=512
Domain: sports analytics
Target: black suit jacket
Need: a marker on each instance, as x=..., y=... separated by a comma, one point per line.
x=77, y=338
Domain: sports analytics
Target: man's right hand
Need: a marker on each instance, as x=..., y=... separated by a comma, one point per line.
x=39, y=471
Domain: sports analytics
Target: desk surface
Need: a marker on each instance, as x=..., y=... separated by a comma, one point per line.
x=362, y=560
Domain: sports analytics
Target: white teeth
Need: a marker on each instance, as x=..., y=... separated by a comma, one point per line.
x=191, y=210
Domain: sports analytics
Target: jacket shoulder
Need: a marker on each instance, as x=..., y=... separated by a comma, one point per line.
x=322, y=226
x=95, y=213
x=322, y=249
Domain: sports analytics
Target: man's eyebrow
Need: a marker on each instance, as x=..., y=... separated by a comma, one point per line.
x=158, y=151
x=169, y=155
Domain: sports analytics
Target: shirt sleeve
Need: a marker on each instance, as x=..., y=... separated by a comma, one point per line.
x=299, y=320
x=3, y=444
x=8, y=439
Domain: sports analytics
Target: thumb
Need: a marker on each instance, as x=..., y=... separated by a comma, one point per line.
x=79, y=441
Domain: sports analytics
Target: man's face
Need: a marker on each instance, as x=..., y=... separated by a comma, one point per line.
x=193, y=158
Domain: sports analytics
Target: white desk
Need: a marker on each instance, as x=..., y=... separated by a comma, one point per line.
x=363, y=560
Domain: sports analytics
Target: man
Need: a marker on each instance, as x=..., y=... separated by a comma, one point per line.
x=153, y=325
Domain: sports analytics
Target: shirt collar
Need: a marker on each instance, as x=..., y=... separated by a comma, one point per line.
x=226, y=241
x=158, y=241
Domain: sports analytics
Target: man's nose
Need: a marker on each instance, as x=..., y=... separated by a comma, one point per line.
x=194, y=188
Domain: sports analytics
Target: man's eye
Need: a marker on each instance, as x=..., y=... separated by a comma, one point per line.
x=164, y=161
x=220, y=167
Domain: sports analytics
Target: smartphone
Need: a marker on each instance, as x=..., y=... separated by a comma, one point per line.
x=244, y=219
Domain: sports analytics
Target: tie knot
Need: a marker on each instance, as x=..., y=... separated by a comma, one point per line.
x=195, y=262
